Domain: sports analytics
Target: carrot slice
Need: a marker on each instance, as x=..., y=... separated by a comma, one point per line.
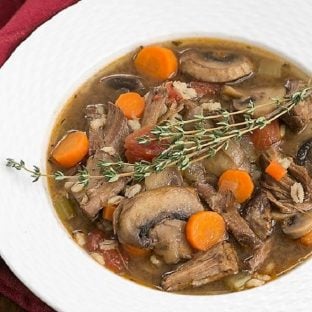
x=108, y=212
x=131, y=104
x=156, y=62
x=204, y=229
x=306, y=239
x=71, y=149
x=136, y=251
x=237, y=181
x=276, y=170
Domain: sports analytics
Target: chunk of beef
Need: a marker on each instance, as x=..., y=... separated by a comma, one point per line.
x=108, y=127
x=258, y=216
x=168, y=241
x=298, y=118
x=96, y=118
x=225, y=204
x=259, y=256
x=240, y=229
x=155, y=106
x=203, y=268
x=300, y=173
x=95, y=195
x=283, y=205
x=190, y=109
x=279, y=192
x=109, y=131
x=209, y=195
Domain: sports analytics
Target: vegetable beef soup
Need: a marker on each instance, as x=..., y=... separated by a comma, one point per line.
x=186, y=166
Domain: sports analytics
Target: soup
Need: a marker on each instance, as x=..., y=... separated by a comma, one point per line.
x=185, y=166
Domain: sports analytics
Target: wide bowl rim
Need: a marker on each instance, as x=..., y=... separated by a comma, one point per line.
x=86, y=72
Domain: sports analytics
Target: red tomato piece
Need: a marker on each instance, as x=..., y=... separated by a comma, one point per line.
x=136, y=152
x=114, y=260
x=93, y=239
x=264, y=138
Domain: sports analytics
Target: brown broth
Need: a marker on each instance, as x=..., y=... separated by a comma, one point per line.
x=286, y=254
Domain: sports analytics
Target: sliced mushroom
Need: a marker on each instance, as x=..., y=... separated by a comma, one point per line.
x=169, y=176
x=123, y=81
x=298, y=225
x=259, y=96
x=134, y=217
x=232, y=92
x=304, y=154
x=215, y=66
x=169, y=241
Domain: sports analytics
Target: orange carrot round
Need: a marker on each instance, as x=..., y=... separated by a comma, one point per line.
x=131, y=104
x=237, y=181
x=71, y=149
x=108, y=212
x=306, y=239
x=136, y=251
x=156, y=62
x=204, y=229
x=276, y=170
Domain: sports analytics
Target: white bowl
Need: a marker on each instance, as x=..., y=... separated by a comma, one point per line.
x=35, y=83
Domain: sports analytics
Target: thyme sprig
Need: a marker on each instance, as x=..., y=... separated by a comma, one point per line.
x=82, y=177
x=185, y=146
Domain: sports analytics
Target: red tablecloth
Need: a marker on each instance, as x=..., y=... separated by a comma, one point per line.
x=18, y=18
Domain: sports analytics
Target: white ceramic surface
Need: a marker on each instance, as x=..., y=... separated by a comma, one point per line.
x=39, y=77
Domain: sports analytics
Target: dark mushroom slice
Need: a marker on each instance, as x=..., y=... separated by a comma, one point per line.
x=304, y=155
x=215, y=66
x=126, y=82
x=259, y=96
x=298, y=225
x=134, y=217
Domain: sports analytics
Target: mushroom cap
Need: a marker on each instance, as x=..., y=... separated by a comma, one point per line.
x=259, y=96
x=134, y=217
x=304, y=153
x=215, y=66
x=123, y=81
x=298, y=225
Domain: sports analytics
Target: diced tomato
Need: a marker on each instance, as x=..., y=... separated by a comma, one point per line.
x=94, y=238
x=205, y=88
x=264, y=138
x=114, y=260
x=136, y=152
